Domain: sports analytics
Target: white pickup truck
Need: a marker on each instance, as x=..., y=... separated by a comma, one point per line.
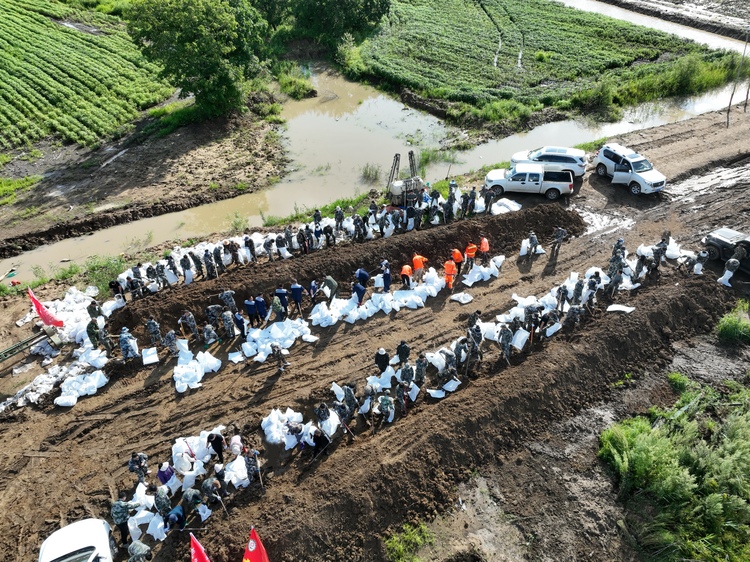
x=530, y=178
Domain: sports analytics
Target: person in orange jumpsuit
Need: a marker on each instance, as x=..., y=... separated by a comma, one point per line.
x=484, y=249
x=450, y=273
x=418, y=262
x=471, y=252
x=406, y=276
x=458, y=259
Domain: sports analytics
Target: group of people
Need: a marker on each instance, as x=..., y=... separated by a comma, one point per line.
x=176, y=508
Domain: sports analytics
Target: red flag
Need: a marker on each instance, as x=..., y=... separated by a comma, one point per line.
x=254, y=551
x=47, y=317
x=197, y=554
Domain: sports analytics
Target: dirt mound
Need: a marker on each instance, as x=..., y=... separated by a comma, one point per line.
x=504, y=232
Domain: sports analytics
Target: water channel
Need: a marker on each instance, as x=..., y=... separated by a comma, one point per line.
x=330, y=139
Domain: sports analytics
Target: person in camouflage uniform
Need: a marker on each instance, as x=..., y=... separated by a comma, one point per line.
x=197, y=263
x=191, y=499
x=126, y=345
x=227, y=297
x=172, y=265
x=420, y=370
x=234, y=251
x=186, y=264
x=213, y=312
x=268, y=247
x=138, y=465
x=474, y=317
x=402, y=390
x=572, y=318
x=614, y=284
x=251, y=463
x=92, y=331
x=386, y=405
x=139, y=552
x=338, y=217
x=151, y=273
x=120, y=513
x=211, y=488
x=188, y=319
x=578, y=291
x=407, y=373
x=219, y=259
x=209, y=334
x=350, y=398
x=276, y=353
x=162, y=502
x=515, y=324
x=322, y=412
x=561, y=295
x=94, y=310
x=615, y=262
x=343, y=411
x=209, y=263
x=504, y=338
x=170, y=342
x=153, y=330
x=136, y=272
x=135, y=286
x=228, y=323
x=161, y=276
x=619, y=246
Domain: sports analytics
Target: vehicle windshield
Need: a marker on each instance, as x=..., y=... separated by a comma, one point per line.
x=81, y=555
x=534, y=154
x=642, y=165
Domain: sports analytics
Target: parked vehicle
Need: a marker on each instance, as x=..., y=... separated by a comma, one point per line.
x=629, y=168
x=530, y=178
x=554, y=158
x=88, y=540
x=720, y=245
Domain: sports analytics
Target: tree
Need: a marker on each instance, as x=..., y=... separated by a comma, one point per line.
x=330, y=19
x=205, y=47
x=274, y=11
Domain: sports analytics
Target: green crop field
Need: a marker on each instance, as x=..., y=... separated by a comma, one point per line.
x=56, y=79
x=506, y=58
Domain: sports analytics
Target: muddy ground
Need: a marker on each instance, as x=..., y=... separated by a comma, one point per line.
x=498, y=425
x=724, y=17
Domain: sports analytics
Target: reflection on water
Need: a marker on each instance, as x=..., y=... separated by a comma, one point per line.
x=332, y=137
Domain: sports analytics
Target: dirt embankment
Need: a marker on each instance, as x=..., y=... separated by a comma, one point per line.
x=727, y=17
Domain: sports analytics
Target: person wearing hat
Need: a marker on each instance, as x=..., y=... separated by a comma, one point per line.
x=381, y=360
x=386, y=405
x=126, y=344
x=338, y=216
x=403, y=351
x=386, y=269
x=94, y=310
x=533, y=244
x=175, y=518
x=618, y=246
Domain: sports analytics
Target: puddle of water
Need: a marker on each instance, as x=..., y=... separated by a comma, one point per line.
x=332, y=137
x=724, y=178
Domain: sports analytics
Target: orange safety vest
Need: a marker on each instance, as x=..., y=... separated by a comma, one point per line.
x=484, y=245
x=406, y=270
x=458, y=257
x=450, y=268
x=471, y=250
x=419, y=261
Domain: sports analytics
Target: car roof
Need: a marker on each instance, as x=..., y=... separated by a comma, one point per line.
x=624, y=151
x=729, y=234
x=562, y=150
x=78, y=535
x=529, y=168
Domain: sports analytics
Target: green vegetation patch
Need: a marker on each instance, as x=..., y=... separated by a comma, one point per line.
x=734, y=327
x=683, y=474
x=10, y=187
x=72, y=74
x=358, y=202
x=505, y=59
x=100, y=270
x=402, y=547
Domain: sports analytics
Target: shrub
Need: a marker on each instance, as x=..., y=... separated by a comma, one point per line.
x=402, y=547
x=100, y=270
x=734, y=327
x=678, y=381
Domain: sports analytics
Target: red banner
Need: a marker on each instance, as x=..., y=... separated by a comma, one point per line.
x=255, y=551
x=47, y=317
x=197, y=554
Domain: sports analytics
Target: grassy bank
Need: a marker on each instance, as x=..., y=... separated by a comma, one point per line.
x=503, y=60
x=682, y=474
x=358, y=202
x=734, y=327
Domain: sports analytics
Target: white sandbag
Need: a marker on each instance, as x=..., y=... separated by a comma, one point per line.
x=309, y=338
x=413, y=392
x=209, y=363
x=553, y=329
x=285, y=253
x=498, y=261
x=188, y=277
x=183, y=345
x=436, y=393
x=463, y=298
x=437, y=360
x=620, y=308
x=249, y=348
x=143, y=516
x=698, y=269
x=135, y=532
x=182, y=463
x=156, y=528
x=150, y=356
x=184, y=358
x=236, y=473
x=204, y=512
x=236, y=357
x=331, y=425
x=394, y=360
x=366, y=406
x=451, y=385
x=520, y=338
x=66, y=401
x=174, y=483
x=338, y=391
x=378, y=281
x=673, y=250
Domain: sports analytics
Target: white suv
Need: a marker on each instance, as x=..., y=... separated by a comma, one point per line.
x=629, y=168
x=83, y=541
x=554, y=158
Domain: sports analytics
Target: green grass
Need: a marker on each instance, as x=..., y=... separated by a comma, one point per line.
x=170, y=117
x=9, y=188
x=551, y=56
x=41, y=277
x=678, y=381
x=683, y=475
x=592, y=146
x=237, y=223
x=734, y=327
x=294, y=80
x=4, y=159
x=370, y=173
x=359, y=203
x=100, y=270
x=61, y=81
x=402, y=547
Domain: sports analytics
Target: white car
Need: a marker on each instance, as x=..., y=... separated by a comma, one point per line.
x=554, y=159
x=629, y=168
x=89, y=540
